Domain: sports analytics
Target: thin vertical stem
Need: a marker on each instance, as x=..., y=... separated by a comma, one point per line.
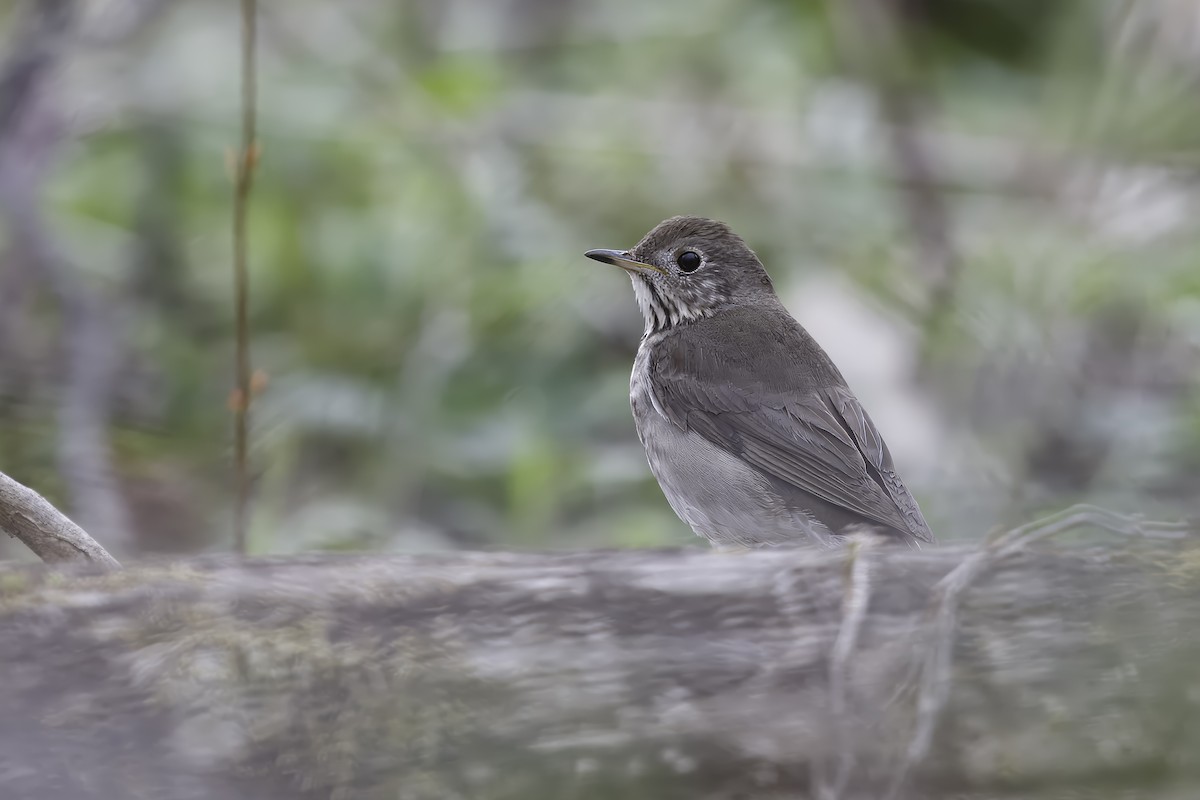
x=246, y=160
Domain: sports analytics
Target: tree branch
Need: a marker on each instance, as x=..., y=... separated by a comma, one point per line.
x=615, y=674
x=26, y=515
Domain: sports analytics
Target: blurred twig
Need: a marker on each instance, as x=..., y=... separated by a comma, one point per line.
x=29, y=133
x=937, y=651
x=246, y=160
x=856, y=602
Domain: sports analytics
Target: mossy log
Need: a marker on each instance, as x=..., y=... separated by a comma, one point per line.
x=1069, y=673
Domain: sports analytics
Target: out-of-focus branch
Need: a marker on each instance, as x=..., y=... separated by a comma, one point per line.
x=874, y=36
x=246, y=161
x=945, y=673
x=924, y=206
x=29, y=133
x=26, y=515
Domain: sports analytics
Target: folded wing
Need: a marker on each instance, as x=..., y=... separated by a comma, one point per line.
x=817, y=439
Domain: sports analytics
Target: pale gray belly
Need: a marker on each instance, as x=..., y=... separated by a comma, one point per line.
x=721, y=497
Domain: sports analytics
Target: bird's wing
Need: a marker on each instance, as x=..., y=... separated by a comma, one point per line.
x=819, y=440
x=875, y=453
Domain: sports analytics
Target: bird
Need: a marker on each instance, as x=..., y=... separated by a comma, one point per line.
x=750, y=429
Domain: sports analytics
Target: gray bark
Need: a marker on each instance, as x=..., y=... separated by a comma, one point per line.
x=29, y=517
x=1071, y=673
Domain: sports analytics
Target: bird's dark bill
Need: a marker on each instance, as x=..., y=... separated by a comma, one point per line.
x=620, y=258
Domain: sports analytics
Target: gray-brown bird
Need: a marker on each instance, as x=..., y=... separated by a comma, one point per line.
x=748, y=426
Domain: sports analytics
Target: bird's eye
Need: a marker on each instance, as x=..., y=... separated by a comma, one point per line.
x=688, y=261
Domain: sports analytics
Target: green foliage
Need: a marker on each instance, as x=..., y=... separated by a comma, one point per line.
x=439, y=354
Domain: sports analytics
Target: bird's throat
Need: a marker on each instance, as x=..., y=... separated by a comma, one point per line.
x=662, y=311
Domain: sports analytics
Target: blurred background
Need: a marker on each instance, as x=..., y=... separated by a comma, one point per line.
x=985, y=210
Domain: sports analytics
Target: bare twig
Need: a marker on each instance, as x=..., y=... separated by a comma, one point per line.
x=855, y=603
x=937, y=655
x=246, y=160
x=26, y=515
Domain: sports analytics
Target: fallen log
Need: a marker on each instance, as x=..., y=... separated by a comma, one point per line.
x=633, y=674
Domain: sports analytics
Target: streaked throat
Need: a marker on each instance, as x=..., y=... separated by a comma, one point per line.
x=660, y=310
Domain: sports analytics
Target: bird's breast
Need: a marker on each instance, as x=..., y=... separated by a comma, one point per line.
x=641, y=394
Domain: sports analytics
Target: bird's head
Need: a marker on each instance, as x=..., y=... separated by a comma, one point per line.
x=689, y=268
